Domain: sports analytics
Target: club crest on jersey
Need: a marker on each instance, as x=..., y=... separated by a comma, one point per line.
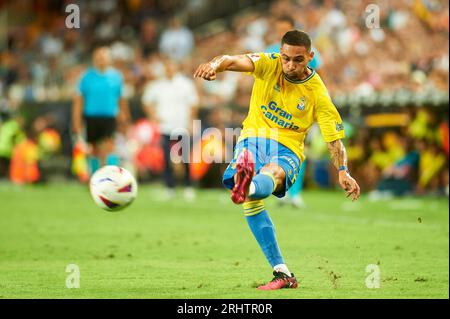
x=277, y=87
x=301, y=103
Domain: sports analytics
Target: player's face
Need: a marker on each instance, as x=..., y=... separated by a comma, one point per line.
x=294, y=60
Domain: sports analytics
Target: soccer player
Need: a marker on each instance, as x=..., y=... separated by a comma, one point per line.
x=287, y=98
x=100, y=102
x=283, y=24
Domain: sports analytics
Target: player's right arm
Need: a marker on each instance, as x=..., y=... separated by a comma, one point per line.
x=237, y=63
x=77, y=115
x=77, y=108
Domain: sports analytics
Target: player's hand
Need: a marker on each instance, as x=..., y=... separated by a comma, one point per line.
x=349, y=184
x=206, y=71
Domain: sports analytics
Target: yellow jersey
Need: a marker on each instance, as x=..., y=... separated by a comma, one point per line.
x=284, y=110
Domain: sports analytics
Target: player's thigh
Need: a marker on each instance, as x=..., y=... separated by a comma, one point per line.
x=247, y=144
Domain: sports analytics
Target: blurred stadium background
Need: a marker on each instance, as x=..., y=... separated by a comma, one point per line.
x=390, y=84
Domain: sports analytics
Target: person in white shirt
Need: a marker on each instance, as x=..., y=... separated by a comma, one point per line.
x=171, y=102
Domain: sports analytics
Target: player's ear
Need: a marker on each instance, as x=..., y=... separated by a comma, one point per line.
x=311, y=55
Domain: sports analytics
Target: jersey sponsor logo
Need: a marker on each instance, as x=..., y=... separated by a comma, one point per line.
x=301, y=103
x=339, y=126
x=279, y=116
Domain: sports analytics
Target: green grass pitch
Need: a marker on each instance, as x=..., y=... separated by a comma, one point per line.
x=204, y=249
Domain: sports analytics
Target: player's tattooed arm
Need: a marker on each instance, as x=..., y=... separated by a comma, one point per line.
x=338, y=153
x=338, y=156
x=238, y=63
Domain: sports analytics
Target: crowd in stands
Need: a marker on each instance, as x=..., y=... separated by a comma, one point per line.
x=42, y=60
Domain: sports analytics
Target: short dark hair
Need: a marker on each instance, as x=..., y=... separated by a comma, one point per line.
x=298, y=38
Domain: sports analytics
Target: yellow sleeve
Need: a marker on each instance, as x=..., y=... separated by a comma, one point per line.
x=328, y=118
x=265, y=64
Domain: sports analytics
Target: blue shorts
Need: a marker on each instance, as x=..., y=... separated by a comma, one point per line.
x=265, y=151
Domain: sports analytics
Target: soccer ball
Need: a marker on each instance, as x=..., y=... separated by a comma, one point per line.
x=113, y=188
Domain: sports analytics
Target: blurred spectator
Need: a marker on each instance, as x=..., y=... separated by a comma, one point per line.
x=444, y=136
x=399, y=179
x=149, y=37
x=432, y=162
x=10, y=135
x=402, y=63
x=43, y=56
x=171, y=103
x=177, y=41
x=25, y=156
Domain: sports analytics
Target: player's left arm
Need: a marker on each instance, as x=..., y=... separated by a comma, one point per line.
x=338, y=156
x=332, y=129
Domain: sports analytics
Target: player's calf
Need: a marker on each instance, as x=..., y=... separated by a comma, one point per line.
x=261, y=186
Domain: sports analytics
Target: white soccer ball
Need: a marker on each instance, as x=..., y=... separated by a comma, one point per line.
x=113, y=188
